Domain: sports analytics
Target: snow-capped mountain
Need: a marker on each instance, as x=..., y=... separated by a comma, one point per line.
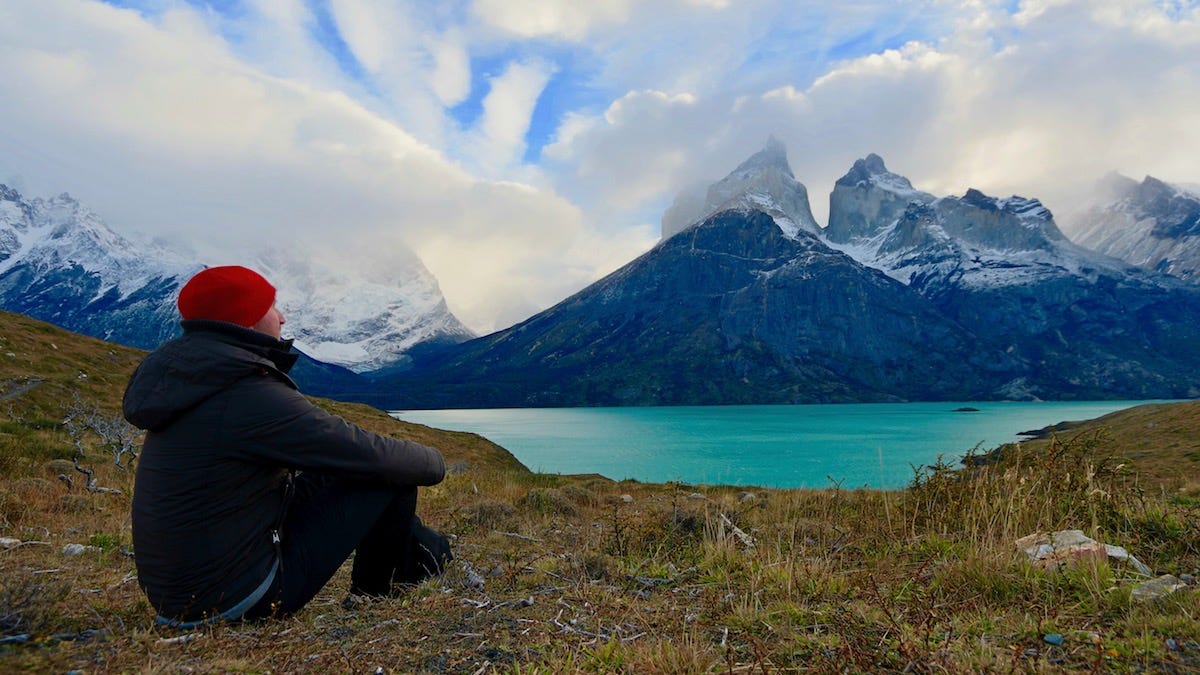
x=364, y=318
x=1152, y=224
x=764, y=182
x=1000, y=267
x=866, y=196
x=60, y=263
x=880, y=219
x=905, y=297
x=731, y=310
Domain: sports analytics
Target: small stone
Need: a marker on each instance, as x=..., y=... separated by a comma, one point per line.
x=1172, y=644
x=628, y=499
x=746, y=496
x=1052, y=639
x=1187, y=578
x=73, y=549
x=9, y=542
x=696, y=495
x=473, y=579
x=1157, y=588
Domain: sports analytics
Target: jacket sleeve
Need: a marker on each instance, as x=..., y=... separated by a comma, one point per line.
x=269, y=421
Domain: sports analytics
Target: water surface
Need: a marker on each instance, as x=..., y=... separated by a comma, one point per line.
x=854, y=445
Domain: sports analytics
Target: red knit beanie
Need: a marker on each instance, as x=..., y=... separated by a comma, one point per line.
x=232, y=293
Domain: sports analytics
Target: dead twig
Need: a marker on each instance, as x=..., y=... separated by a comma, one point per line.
x=522, y=537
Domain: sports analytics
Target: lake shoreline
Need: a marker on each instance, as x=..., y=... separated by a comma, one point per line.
x=879, y=446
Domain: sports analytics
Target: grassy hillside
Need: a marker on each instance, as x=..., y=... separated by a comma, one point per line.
x=579, y=573
x=1161, y=440
x=46, y=371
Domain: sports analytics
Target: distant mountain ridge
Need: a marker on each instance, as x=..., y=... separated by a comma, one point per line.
x=60, y=263
x=1084, y=324
x=904, y=296
x=1153, y=224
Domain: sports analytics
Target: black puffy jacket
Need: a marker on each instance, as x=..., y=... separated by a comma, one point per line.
x=224, y=424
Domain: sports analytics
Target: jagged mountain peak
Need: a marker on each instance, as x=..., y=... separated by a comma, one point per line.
x=1031, y=211
x=763, y=182
x=867, y=199
x=773, y=156
x=731, y=310
x=1152, y=224
x=864, y=170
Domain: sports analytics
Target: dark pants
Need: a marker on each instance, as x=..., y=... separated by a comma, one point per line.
x=330, y=517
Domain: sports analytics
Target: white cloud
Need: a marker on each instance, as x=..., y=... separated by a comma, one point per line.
x=160, y=128
x=507, y=110
x=451, y=74
x=1035, y=105
x=366, y=27
x=415, y=67
x=173, y=118
x=564, y=19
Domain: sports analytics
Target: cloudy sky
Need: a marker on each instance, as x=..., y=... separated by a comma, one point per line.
x=524, y=148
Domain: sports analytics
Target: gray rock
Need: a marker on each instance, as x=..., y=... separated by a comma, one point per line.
x=473, y=578
x=764, y=181
x=1148, y=591
x=71, y=550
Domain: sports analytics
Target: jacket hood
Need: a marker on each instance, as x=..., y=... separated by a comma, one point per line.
x=186, y=371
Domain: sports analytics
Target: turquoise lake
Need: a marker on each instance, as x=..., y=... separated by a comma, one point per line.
x=854, y=445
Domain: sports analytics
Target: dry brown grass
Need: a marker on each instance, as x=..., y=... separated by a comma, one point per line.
x=582, y=574
x=1162, y=439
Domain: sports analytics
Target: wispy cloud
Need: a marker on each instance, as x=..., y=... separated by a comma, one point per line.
x=522, y=149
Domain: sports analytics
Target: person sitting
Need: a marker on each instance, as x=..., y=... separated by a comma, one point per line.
x=248, y=497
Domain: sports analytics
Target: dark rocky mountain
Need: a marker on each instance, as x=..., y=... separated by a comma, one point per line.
x=1152, y=224
x=731, y=310
x=904, y=297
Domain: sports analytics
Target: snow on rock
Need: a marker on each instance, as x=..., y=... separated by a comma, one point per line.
x=763, y=182
x=1152, y=224
x=59, y=262
x=975, y=240
x=358, y=316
